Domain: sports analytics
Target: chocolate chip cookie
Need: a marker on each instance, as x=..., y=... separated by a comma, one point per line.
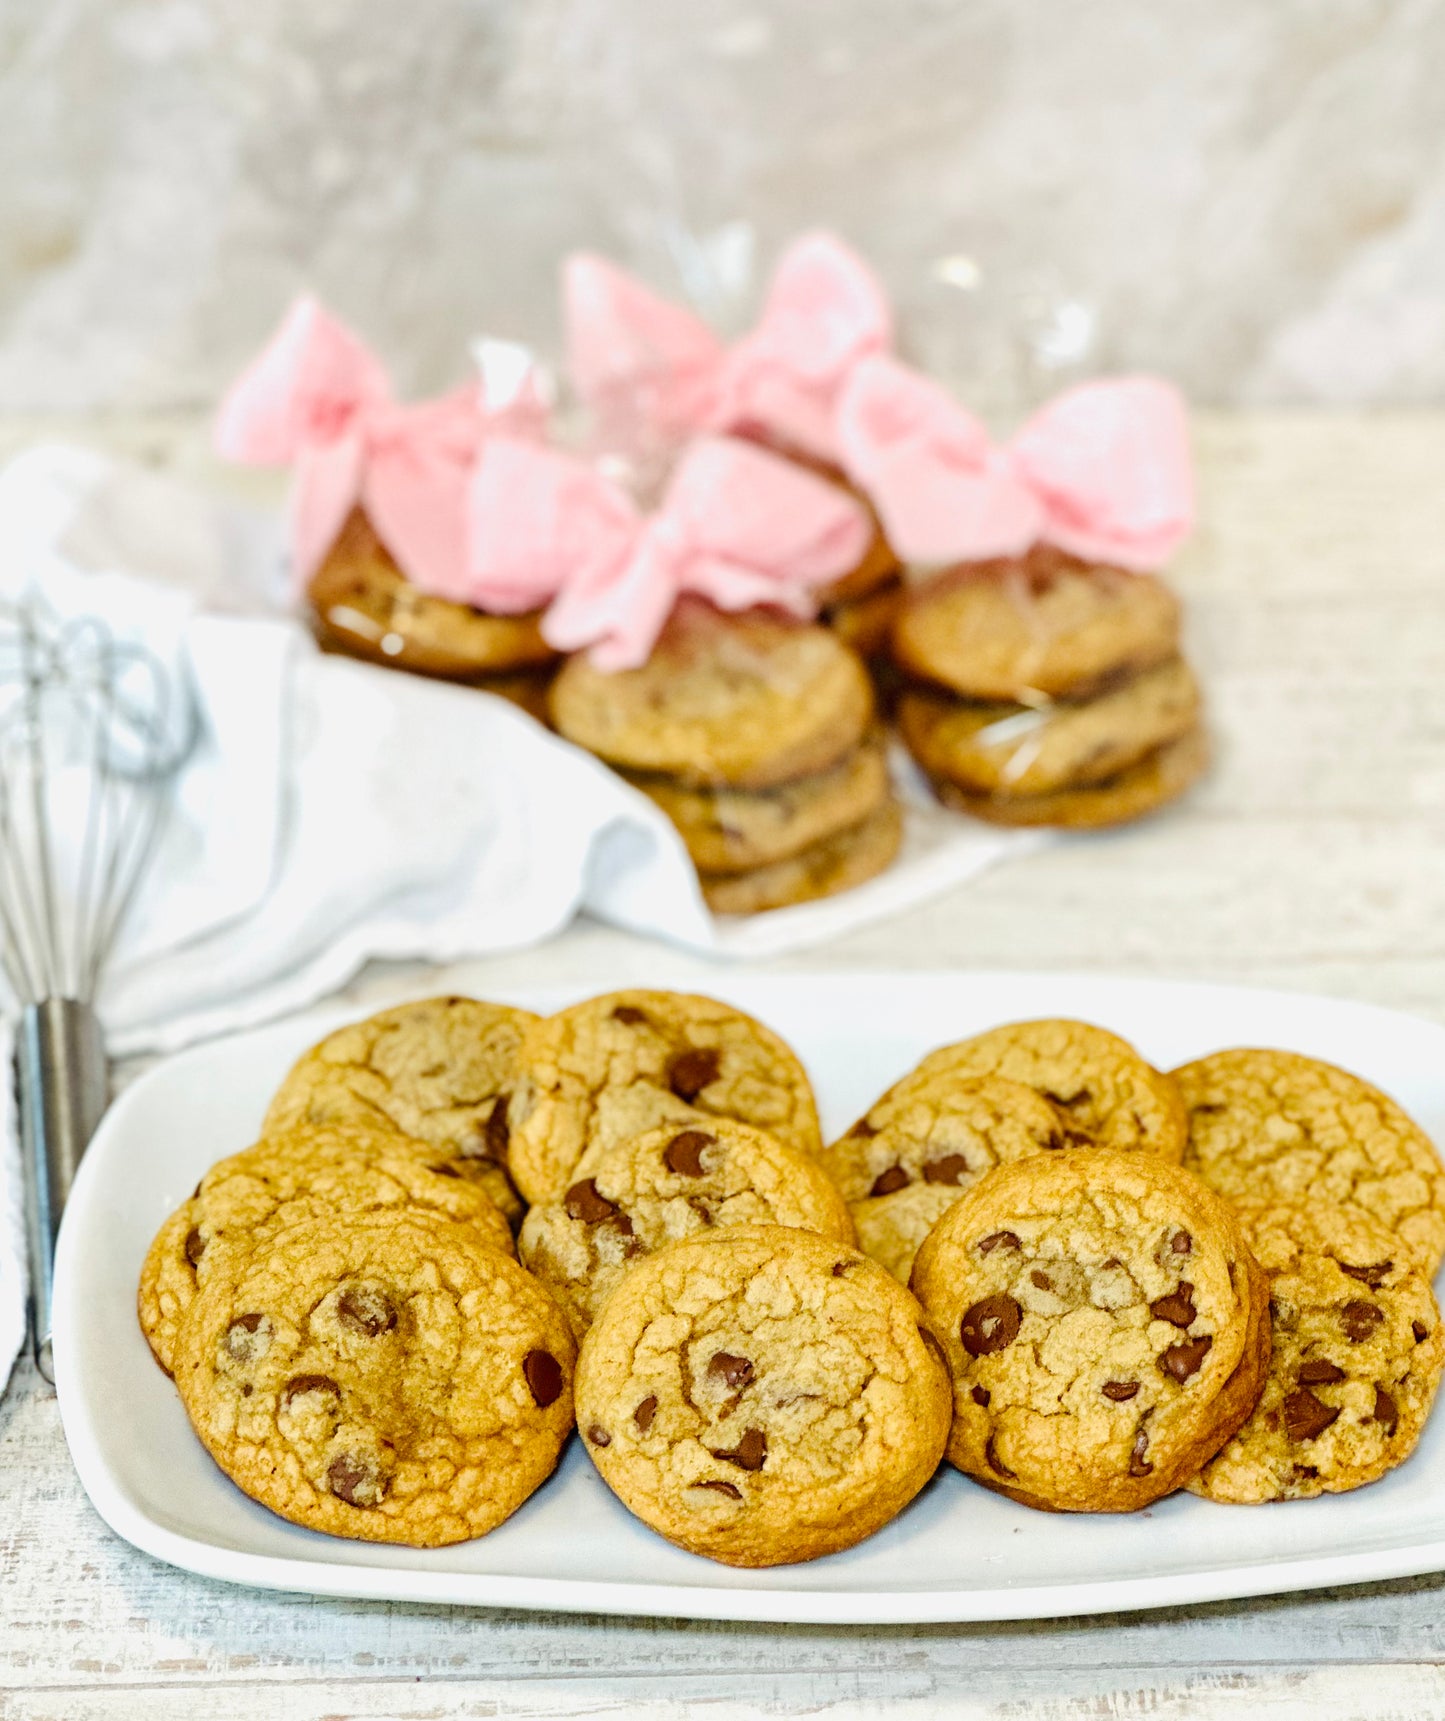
x=747, y=701
x=1098, y=1083
x=385, y=1377
x=439, y=1070
x=761, y=1395
x=1041, y=625
x=734, y=830
x=614, y=1066
x=866, y=623
x=364, y=605
x=1020, y=750
x=840, y=862
x=1267, y=1126
x=1105, y=1325
x=316, y=1169
x=637, y=1195
x=1358, y=1351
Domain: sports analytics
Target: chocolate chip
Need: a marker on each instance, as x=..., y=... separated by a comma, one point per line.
x=354, y=1480
x=247, y=1389
x=247, y=1338
x=599, y=1436
x=1177, y=1308
x=736, y=1371
x=951, y=1169
x=195, y=1245
x=1042, y=1280
x=1373, y=1276
x=1359, y=1320
x=1305, y=1416
x=693, y=1071
x=585, y=1201
x=1420, y=1330
x=862, y=1130
x=300, y=1384
x=645, y=1412
x=995, y=1463
x=683, y=1154
x=1386, y=1413
x=629, y=1015
x=1320, y=1372
x=1138, y=1465
x=544, y=1377
x=1120, y=1391
x=981, y=1395
x=1181, y=1361
x=366, y=1310
x=992, y=1324
x=749, y=1452
x=1305, y=1472
x=498, y=1136
x=887, y=1181
x=1181, y=1243
x=998, y=1240
x=721, y=1488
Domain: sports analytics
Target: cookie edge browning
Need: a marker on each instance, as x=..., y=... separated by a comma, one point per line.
x=864, y=850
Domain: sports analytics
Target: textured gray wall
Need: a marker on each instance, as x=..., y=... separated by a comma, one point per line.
x=1249, y=196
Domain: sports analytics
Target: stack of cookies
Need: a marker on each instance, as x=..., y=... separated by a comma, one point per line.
x=755, y=735
x=1045, y=691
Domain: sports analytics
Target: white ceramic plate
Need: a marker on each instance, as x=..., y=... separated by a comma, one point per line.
x=958, y=1553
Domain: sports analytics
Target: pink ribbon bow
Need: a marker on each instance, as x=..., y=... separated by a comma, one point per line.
x=644, y=364
x=318, y=400
x=1102, y=471
x=736, y=526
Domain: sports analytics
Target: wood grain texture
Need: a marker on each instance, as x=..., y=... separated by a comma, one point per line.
x=1313, y=858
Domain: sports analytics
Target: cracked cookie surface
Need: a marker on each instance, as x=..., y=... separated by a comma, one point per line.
x=1101, y=1086
x=385, y=1377
x=1358, y=1351
x=310, y=1170
x=1105, y=1325
x=762, y=1396
x=634, y=1197
x=1276, y=1126
x=631, y=1061
x=439, y=1070
x=750, y=700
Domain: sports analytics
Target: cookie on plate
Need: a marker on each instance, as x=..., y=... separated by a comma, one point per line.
x=612, y=1067
x=1100, y=1085
x=439, y=1070
x=1269, y=1126
x=827, y=868
x=1105, y=1325
x=340, y=1169
x=761, y=1395
x=735, y=830
x=747, y=701
x=1020, y=750
x=1153, y=782
x=637, y=1195
x=1043, y=624
x=1358, y=1351
x=385, y=1376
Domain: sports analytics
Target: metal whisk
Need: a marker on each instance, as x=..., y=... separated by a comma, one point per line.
x=92, y=732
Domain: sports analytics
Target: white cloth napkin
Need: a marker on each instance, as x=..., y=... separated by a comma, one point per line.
x=332, y=812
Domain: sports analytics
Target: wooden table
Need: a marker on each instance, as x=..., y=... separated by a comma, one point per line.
x=1314, y=858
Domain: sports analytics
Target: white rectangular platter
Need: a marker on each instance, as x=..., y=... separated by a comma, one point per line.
x=958, y=1553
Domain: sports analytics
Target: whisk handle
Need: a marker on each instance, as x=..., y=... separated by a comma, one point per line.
x=61, y=1084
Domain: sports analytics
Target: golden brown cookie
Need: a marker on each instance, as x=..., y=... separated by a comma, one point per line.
x=891, y=1228
x=610, y=1068
x=635, y=1196
x=1358, y=1352
x=761, y=1396
x=1268, y=1126
x=1019, y=750
x=866, y=623
x=340, y=1169
x=1105, y=1325
x=1100, y=1085
x=365, y=606
x=1159, y=778
x=827, y=868
x=750, y=700
x=1045, y=624
x=383, y=1376
x=439, y=1070
x=733, y=830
